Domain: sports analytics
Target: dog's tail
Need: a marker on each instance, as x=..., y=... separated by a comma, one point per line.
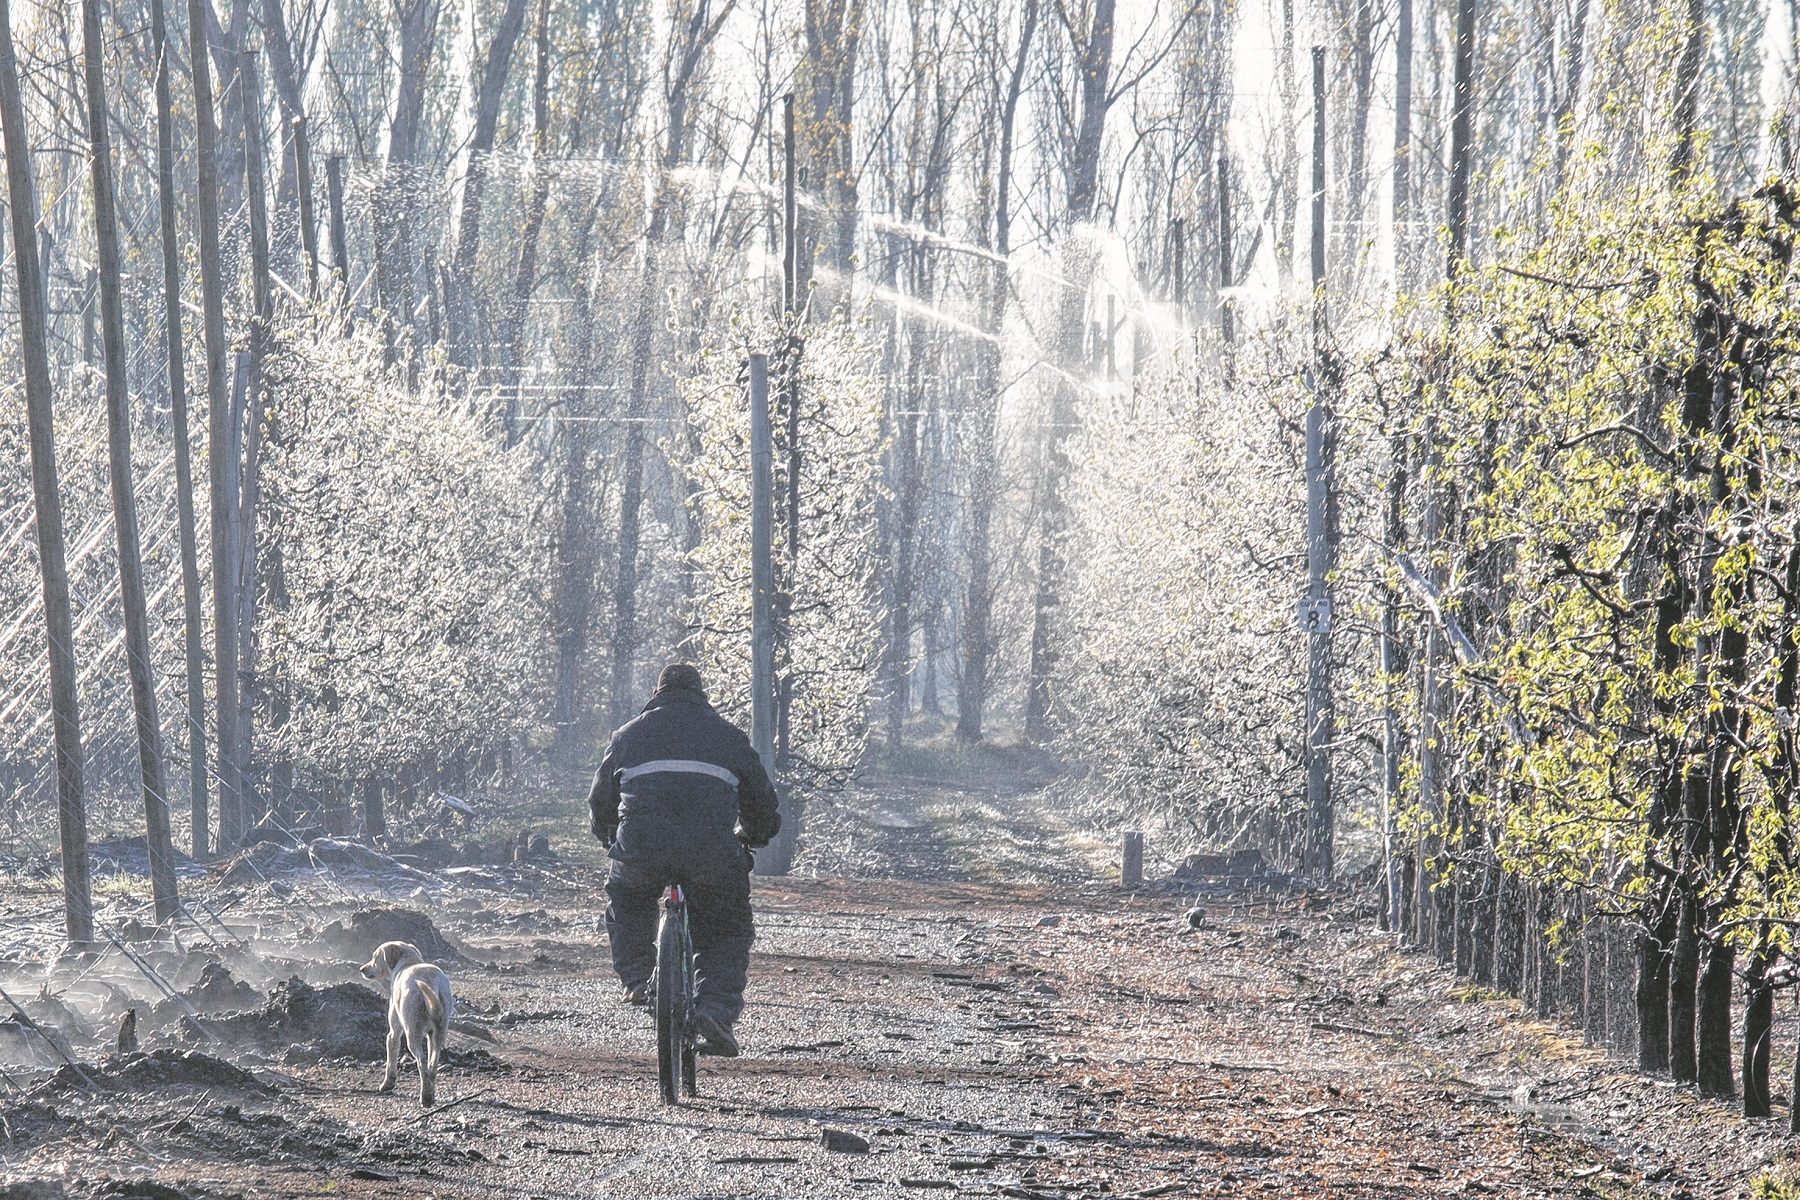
x=438, y=1028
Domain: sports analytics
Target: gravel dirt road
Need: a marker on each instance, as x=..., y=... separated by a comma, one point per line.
x=954, y=985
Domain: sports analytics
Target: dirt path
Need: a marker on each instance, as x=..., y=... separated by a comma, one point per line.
x=1050, y=1038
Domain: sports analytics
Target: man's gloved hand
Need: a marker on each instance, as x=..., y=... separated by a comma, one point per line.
x=605, y=833
x=749, y=842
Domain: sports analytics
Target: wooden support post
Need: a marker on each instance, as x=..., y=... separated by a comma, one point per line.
x=1178, y=267
x=340, y=241
x=1131, y=859
x=374, y=810
x=1112, y=329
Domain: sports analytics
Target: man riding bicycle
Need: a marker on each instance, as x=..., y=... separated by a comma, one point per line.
x=682, y=797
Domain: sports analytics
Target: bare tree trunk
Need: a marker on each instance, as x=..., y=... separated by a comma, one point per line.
x=1393, y=669
x=1713, y=1075
x=71, y=808
x=910, y=484
x=397, y=209
x=1093, y=53
x=1759, y=1021
x=1659, y=1002
x=194, y=630
x=124, y=492
x=512, y=332
x=285, y=75
x=1652, y=992
x=1688, y=81
x=460, y=301
x=1668, y=958
x=1684, y=971
x=1784, y=775
x=374, y=811
x=1576, y=56
x=309, y=227
x=219, y=440
x=1728, y=598
x=1462, y=140
x=1362, y=81
x=251, y=497
x=827, y=86
x=577, y=554
x=224, y=44
x=1288, y=183
x=978, y=599
x=1403, y=200
x=1321, y=526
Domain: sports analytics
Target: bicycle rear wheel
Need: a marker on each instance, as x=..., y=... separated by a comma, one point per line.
x=687, y=990
x=690, y=1035
x=671, y=1005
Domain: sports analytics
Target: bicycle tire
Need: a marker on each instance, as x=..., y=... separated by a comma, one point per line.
x=688, y=1081
x=670, y=1001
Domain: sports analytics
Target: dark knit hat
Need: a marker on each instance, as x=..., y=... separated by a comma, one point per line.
x=680, y=675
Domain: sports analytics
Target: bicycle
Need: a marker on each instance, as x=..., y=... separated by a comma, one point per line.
x=673, y=989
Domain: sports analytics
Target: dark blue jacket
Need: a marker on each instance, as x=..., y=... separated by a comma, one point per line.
x=681, y=776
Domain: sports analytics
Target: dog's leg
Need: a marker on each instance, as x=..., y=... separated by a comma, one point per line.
x=428, y=1065
x=393, y=1056
x=420, y=1040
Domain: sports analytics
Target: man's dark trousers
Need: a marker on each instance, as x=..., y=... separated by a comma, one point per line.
x=717, y=884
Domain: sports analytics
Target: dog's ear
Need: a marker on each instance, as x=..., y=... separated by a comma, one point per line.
x=391, y=954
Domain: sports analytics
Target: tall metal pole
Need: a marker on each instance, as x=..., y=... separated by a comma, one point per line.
x=1112, y=328
x=1227, y=335
x=762, y=565
x=1318, y=197
x=1178, y=266
x=793, y=304
x=790, y=229
x=1320, y=717
x=780, y=854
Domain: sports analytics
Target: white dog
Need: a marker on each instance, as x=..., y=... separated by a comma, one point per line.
x=419, y=1011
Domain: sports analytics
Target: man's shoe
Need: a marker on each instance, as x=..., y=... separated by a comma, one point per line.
x=638, y=994
x=715, y=1038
